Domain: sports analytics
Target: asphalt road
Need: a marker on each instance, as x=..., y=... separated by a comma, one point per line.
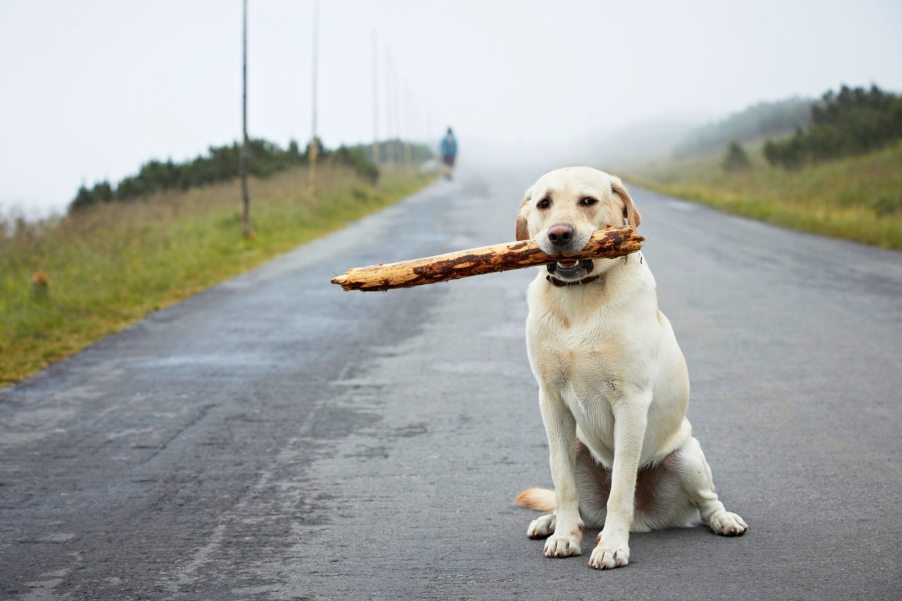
x=276, y=438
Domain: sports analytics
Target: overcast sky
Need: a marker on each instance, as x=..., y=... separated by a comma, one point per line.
x=90, y=89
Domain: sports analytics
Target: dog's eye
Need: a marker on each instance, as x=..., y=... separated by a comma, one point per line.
x=544, y=203
x=588, y=201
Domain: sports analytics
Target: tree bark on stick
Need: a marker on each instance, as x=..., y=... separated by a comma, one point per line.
x=607, y=243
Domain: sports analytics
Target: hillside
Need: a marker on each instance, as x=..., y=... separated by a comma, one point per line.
x=765, y=119
x=858, y=198
x=838, y=175
x=69, y=281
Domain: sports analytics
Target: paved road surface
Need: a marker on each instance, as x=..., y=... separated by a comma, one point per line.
x=275, y=438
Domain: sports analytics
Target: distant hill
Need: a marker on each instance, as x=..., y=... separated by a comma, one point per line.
x=642, y=142
x=762, y=120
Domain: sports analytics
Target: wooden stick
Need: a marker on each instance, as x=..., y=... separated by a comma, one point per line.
x=607, y=243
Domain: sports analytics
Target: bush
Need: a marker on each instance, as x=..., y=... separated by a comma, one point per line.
x=101, y=192
x=356, y=159
x=735, y=159
x=886, y=205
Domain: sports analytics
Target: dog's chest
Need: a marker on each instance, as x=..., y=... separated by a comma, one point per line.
x=586, y=365
x=590, y=385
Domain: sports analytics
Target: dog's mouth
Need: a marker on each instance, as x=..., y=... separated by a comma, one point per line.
x=571, y=269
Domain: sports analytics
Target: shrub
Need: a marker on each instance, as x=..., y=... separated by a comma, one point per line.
x=356, y=159
x=888, y=204
x=735, y=159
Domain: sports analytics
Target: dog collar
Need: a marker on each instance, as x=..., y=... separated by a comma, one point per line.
x=561, y=283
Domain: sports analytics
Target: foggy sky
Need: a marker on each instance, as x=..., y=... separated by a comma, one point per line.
x=91, y=89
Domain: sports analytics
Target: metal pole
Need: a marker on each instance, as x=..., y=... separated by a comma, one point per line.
x=242, y=167
x=399, y=112
x=314, y=142
x=408, y=108
x=391, y=151
x=375, y=98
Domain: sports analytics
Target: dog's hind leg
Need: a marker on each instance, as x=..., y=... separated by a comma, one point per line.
x=541, y=527
x=695, y=475
x=541, y=499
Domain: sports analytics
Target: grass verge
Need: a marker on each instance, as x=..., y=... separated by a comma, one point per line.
x=69, y=281
x=857, y=198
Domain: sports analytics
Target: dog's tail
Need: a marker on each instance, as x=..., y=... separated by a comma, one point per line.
x=541, y=499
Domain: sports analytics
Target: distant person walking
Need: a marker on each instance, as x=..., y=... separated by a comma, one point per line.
x=448, y=150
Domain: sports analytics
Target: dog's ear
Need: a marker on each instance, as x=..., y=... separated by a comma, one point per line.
x=630, y=213
x=522, y=227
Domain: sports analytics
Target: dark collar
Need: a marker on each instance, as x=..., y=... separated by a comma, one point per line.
x=561, y=283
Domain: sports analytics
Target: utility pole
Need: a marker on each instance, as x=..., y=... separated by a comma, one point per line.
x=314, y=142
x=408, y=106
x=242, y=166
x=375, y=99
x=391, y=150
x=399, y=113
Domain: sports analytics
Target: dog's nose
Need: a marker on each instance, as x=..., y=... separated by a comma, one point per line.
x=560, y=234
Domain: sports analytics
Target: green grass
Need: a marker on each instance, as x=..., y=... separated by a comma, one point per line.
x=110, y=265
x=857, y=198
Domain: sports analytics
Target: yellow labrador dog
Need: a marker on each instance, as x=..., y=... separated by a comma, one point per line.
x=613, y=383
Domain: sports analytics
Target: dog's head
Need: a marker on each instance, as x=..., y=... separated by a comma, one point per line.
x=564, y=207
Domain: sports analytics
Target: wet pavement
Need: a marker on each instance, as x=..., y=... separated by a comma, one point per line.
x=276, y=438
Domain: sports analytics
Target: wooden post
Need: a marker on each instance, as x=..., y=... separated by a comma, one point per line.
x=242, y=167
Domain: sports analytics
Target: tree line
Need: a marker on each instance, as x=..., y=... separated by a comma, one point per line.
x=851, y=121
x=221, y=163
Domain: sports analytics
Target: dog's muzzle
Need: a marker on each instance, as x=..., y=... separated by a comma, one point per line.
x=571, y=268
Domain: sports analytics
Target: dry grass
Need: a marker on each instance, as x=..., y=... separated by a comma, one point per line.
x=857, y=198
x=108, y=266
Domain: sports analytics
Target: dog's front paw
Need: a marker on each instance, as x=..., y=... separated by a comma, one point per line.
x=606, y=558
x=563, y=546
x=611, y=551
x=541, y=527
x=726, y=523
